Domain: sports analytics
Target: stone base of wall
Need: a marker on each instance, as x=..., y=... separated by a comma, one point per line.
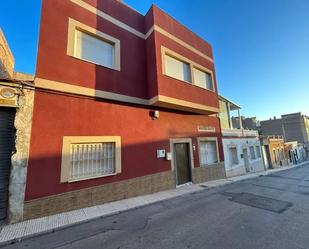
x=236, y=171
x=209, y=173
x=257, y=166
x=99, y=195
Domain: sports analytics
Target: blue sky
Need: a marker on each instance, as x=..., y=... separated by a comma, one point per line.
x=261, y=47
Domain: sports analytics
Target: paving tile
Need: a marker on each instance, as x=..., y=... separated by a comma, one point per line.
x=106, y=209
x=56, y=221
x=36, y=226
x=76, y=216
x=92, y=212
x=14, y=231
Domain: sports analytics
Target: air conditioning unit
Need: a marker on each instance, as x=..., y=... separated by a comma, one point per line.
x=8, y=96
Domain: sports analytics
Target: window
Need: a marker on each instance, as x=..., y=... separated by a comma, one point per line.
x=233, y=156
x=258, y=151
x=181, y=68
x=89, y=44
x=89, y=157
x=202, y=79
x=93, y=49
x=252, y=153
x=208, y=152
x=177, y=69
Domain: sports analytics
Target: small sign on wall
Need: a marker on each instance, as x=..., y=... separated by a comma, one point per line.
x=8, y=97
x=168, y=156
x=206, y=128
x=161, y=153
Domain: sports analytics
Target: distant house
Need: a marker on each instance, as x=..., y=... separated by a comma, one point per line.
x=247, y=123
x=293, y=127
x=242, y=151
x=274, y=152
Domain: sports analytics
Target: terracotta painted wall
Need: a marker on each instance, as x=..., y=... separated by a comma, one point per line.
x=56, y=116
x=54, y=64
x=169, y=86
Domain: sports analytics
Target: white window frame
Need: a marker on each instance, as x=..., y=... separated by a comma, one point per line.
x=78, y=26
x=181, y=61
x=66, y=154
x=205, y=72
x=208, y=139
x=166, y=51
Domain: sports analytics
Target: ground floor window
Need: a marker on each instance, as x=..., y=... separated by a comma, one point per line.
x=252, y=153
x=208, y=151
x=90, y=157
x=233, y=156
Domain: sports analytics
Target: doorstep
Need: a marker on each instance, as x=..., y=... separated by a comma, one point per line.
x=20, y=231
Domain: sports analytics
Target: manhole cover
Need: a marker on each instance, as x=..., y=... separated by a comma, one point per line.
x=258, y=201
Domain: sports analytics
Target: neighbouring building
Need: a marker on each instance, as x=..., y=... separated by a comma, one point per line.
x=125, y=105
x=16, y=103
x=296, y=152
x=6, y=59
x=274, y=152
x=242, y=150
x=247, y=123
x=293, y=127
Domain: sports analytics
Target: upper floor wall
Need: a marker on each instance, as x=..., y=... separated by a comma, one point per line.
x=106, y=49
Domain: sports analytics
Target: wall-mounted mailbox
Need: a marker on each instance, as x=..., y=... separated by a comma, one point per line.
x=161, y=153
x=168, y=156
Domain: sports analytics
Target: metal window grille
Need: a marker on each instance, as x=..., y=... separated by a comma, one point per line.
x=89, y=160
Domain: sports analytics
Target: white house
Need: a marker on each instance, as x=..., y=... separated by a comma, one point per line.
x=242, y=150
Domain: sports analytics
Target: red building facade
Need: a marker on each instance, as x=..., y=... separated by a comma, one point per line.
x=125, y=105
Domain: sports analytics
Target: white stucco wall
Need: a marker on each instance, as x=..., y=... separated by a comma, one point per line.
x=255, y=165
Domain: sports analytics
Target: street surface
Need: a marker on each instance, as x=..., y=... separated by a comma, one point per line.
x=270, y=212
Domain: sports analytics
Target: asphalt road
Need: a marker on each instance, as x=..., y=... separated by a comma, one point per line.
x=267, y=212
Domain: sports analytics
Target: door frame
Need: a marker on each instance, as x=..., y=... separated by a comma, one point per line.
x=12, y=111
x=188, y=141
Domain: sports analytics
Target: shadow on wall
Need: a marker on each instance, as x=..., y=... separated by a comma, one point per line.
x=137, y=160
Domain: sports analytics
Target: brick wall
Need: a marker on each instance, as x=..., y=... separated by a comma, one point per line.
x=115, y=191
x=99, y=195
x=209, y=173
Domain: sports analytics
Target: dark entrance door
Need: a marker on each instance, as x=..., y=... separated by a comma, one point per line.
x=182, y=162
x=7, y=116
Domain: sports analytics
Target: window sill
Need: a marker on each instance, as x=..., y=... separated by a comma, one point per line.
x=91, y=178
x=209, y=165
x=96, y=64
x=188, y=82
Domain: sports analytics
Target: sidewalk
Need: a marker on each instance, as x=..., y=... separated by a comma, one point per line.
x=20, y=231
